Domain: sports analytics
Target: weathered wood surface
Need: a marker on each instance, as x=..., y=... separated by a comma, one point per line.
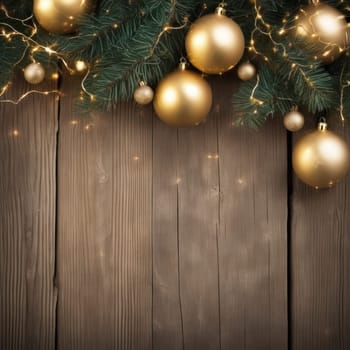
x=27, y=221
x=104, y=233
x=320, y=262
x=220, y=234
x=253, y=232
x=166, y=239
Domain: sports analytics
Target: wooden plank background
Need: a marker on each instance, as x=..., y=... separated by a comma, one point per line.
x=119, y=232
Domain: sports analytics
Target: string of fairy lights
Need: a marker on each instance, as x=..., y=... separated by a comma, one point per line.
x=214, y=44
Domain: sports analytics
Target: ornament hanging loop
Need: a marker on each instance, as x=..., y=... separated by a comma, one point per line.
x=220, y=10
x=183, y=63
x=322, y=124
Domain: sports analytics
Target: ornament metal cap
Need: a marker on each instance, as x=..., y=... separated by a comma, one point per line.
x=220, y=10
x=183, y=64
x=322, y=124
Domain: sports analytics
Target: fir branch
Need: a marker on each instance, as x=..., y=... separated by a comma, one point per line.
x=313, y=86
x=254, y=102
x=148, y=55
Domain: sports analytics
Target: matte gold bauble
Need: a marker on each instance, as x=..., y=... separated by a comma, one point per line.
x=321, y=158
x=293, y=121
x=183, y=98
x=324, y=28
x=143, y=95
x=214, y=43
x=60, y=19
x=246, y=71
x=34, y=73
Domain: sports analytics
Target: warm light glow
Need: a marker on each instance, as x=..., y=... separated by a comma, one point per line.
x=14, y=132
x=55, y=76
x=80, y=66
x=192, y=90
x=199, y=40
x=331, y=150
x=329, y=23
x=170, y=96
x=45, y=5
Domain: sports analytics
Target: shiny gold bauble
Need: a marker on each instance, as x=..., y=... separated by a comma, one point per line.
x=143, y=95
x=34, y=73
x=183, y=98
x=246, y=71
x=293, y=121
x=214, y=43
x=57, y=16
x=321, y=158
x=324, y=28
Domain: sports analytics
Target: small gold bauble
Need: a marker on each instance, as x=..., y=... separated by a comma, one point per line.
x=246, y=71
x=293, y=121
x=214, y=43
x=325, y=28
x=34, y=73
x=60, y=19
x=183, y=98
x=143, y=95
x=321, y=158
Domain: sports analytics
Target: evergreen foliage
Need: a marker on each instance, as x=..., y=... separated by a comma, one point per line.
x=125, y=41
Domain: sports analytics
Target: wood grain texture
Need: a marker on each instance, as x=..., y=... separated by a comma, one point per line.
x=167, y=308
x=27, y=221
x=252, y=231
x=320, y=248
x=198, y=215
x=105, y=214
x=186, y=200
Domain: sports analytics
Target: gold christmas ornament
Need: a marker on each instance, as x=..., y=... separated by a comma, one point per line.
x=293, y=121
x=246, y=71
x=183, y=98
x=215, y=43
x=321, y=158
x=143, y=95
x=325, y=28
x=34, y=73
x=60, y=16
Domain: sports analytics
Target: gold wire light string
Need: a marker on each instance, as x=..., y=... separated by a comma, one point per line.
x=252, y=97
x=38, y=45
x=16, y=102
x=23, y=21
x=342, y=88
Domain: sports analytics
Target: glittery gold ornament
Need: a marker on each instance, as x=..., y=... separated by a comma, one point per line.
x=60, y=16
x=324, y=28
x=293, y=121
x=321, y=158
x=183, y=98
x=215, y=43
x=246, y=71
x=34, y=73
x=143, y=95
